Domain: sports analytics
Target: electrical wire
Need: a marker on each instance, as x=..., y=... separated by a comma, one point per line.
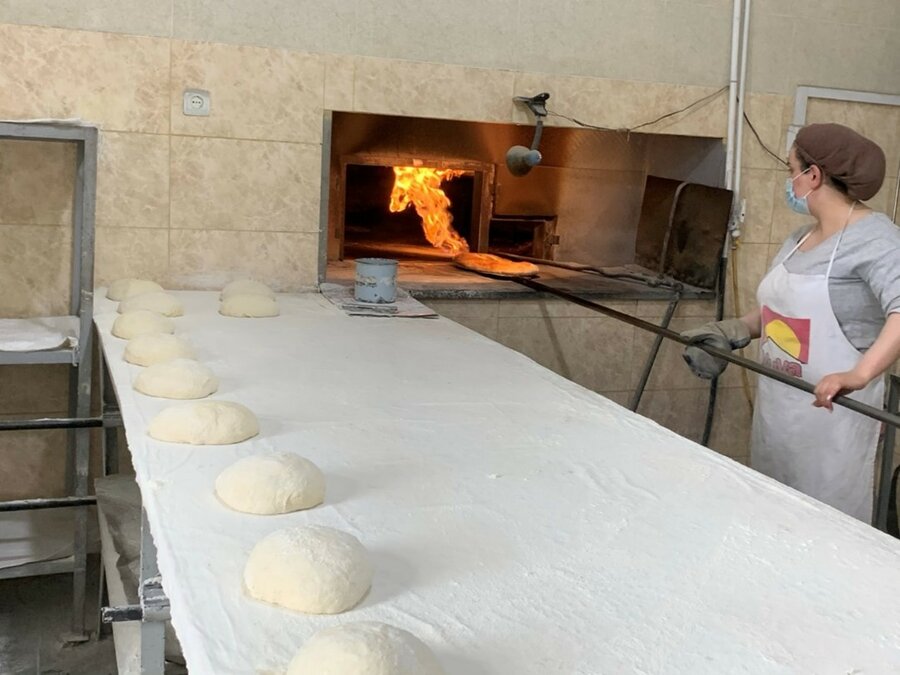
x=696, y=103
x=580, y=123
x=699, y=101
x=761, y=143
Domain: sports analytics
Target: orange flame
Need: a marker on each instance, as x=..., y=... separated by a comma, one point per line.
x=421, y=187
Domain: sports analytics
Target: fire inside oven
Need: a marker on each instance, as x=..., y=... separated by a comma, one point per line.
x=408, y=212
x=413, y=211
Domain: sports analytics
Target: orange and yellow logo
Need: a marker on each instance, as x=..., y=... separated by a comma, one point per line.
x=790, y=335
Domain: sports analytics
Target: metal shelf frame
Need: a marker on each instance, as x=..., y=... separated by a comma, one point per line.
x=78, y=355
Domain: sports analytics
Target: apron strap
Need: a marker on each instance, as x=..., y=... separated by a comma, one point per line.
x=840, y=238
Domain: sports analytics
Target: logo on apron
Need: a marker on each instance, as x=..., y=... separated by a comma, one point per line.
x=785, y=343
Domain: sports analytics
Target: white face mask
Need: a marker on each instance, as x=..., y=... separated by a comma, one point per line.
x=798, y=204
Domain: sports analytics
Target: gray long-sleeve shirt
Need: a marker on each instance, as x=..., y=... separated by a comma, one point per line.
x=865, y=280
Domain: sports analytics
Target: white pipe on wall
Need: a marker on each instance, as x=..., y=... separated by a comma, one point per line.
x=738, y=218
x=732, y=94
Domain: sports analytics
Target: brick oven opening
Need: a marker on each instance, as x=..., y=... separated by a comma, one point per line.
x=646, y=203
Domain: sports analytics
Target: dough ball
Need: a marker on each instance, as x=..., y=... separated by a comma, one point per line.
x=141, y=322
x=270, y=484
x=145, y=350
x=125, y=288
x=205, y=423
x=246, y=287
x=312, y=569
x=248, y=306
x=364, y=648
x=156, y=301
x=181, y=378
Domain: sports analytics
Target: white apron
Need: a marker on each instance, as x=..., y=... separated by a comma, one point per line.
x=828, y=456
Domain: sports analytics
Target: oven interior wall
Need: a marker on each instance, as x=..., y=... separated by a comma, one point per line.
x=590, y=181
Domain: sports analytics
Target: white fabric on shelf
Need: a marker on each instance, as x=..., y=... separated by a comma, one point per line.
x=38, y=333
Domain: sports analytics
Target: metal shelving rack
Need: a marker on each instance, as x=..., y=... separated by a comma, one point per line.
x=77, y=354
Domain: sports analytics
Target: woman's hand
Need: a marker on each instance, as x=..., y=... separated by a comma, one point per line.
x=837, y=383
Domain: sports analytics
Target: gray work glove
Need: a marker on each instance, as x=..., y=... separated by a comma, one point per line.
x=726, y=335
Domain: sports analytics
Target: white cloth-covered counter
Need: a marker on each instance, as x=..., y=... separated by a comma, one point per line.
x=518, y=523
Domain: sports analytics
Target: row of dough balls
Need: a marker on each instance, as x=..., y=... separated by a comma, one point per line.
x=312, y=569
x=144, y=308
x=316, y=570
x=139, y=298
x=145, y=321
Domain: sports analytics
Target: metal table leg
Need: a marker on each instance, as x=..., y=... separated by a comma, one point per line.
x=112, y=420
x=153, y=610
x=153, y=626
x=887, y=456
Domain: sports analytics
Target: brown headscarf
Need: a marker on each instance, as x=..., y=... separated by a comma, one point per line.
x=843, y=154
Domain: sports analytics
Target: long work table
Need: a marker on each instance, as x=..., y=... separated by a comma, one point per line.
x=518, y=523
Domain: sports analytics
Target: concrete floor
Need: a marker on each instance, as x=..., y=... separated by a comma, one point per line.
x=35, y=616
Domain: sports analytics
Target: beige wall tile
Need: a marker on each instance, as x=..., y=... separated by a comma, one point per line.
x=395, y=87
x=37, y=182
x=758, y=189
x=340, y=73
x=37, y=459
x=131, y=252
x=452, y=309
x=133, y=180
x=683, y=411
x=255, y=93
x=479, y=315
x=122, y=16
x=485, y=325
x=656, y=309
x=884, y=200
x=594, y=352
x=621, y=397
x=766, y=114
x=120, y=82
x=205, y=259
x=33, y=389
x=34, y=270
x=750, y=262
x=224, y=184
x=731, y=425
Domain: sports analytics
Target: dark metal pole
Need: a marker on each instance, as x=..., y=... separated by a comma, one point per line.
x=887, y=456
x=796, y=383
x=651, y=358
x=50, y=503
x=51, y=423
